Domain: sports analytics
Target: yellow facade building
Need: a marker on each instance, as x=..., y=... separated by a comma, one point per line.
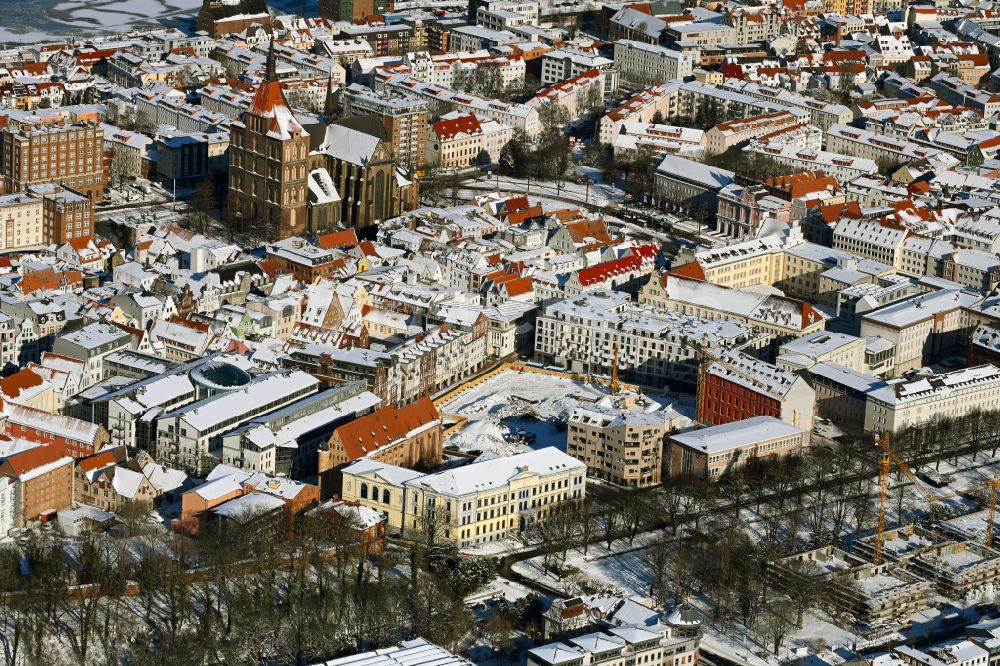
x=482, y=502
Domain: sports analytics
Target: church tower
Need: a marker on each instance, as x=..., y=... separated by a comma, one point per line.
x=268, y=165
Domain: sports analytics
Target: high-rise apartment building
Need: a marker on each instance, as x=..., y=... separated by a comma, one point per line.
x=71, y=155
x=403, y=116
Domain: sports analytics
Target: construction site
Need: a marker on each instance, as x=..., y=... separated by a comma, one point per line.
x=889, y=575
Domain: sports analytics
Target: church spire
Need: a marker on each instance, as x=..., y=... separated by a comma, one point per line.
x=330, y=104
x=271, y=67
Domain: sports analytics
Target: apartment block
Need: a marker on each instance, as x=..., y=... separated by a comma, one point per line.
x=35, y=485
x=643, y=63
x=824, y=347
x=21, y=218
x=620, y=440
x=923, y=399
x=743, y=387
x=620, y=646
x=775, y=318
x=67, y=155
x=290, y=441
x=732, y=133
x=869, y=145
x=583, y=333
x=561, y=64
x=187, y=436
x=925, y=328
x=403, y=116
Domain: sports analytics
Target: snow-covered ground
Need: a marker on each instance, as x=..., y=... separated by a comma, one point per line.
x=44, y=20
x=512, y=401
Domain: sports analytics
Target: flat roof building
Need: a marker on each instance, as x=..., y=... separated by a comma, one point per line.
x=711, y=453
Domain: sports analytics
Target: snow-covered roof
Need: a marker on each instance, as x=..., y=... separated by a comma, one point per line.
x=737, y=434
x=416, y=652
x=212, y=412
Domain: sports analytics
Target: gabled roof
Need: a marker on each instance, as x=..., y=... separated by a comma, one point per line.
x=338, y=239
x=34, y=462
x=369, y=433
x=25, y=378
x=600, y=272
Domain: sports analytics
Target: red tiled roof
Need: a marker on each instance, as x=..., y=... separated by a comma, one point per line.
x=516, y=203
x=48, y=279
x=81, y=243
x=12, y=386
x=595, y=229
x=690, y=270
x=601, y=272
x=518, y=286
x=271, y=266
x=382, y=427
x=338, y=239
x=519, y=216
x=194, y=325
x=39, y=456
x=804, y=182
x=448, y=129
x=102, y=459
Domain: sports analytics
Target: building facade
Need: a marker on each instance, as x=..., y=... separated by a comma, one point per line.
x=482, y=502
x=67, y=155
x=268, y=164
x=711, y=453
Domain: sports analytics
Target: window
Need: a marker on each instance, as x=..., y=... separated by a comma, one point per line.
x=364, y=491
x=385, y=496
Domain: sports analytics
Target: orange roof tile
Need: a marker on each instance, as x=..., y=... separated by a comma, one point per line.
x=26, y=461
x=338, y=239
x=595, y=229
x=690, y=270
x=371, y=432
x=12, y=386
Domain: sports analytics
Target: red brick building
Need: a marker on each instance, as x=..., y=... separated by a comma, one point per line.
x=746, y=387
x=405, y=437
x=67, y=215
x=43, y=477
x=62, y=154
x=71, y=436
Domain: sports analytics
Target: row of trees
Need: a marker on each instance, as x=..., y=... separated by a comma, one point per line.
x=717, y=540
x=233, y=595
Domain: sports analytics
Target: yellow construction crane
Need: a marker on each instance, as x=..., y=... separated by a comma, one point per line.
x=614, y=373
x=883, y=494
x=889, y=458
x=992, y=485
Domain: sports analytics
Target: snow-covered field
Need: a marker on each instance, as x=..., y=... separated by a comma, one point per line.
x=513, y=401
x=53, y=20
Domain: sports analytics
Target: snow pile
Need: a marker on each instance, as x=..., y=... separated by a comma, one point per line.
x=513, y=403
